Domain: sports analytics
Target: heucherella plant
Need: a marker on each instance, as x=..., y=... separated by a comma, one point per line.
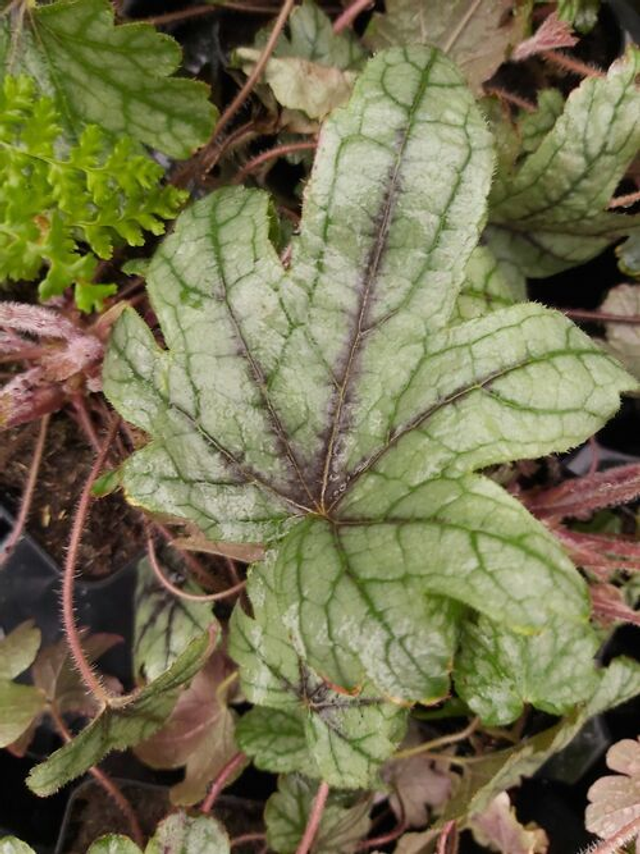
x=57, y=201
x=339, y=413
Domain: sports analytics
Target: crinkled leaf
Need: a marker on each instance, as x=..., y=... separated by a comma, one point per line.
x=298, y=84
x=485, y=778
x=312, y=69
x=478, y=36
x=497, y=828
x=119, y=727
x=548, y=213
x=18, y=649
x=346, y=418
x=180, y=833
x=287, y=812
x=164, y=624
x=623, y=339
x=276, y=741
x=347, y=736
x=310, y=36
x=498, y=671
x=615, y=800
x=115, y=76
x=11, y=845
x=417, y=785
x=19, y=706
x=113, y=843
x=198, y=735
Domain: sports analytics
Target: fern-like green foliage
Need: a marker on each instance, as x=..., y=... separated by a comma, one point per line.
x=63, y=207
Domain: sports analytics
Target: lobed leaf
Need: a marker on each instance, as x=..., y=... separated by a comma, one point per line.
x=350, y=408
x=346, y=736
x=115, y=76
x=548, y=210
x=180, y=833
x=498, y=671
x=615, y=799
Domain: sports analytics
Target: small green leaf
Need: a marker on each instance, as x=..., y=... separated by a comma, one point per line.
x=582, y=14
x=478, y=36
x=164, y=624
x=486, y=778
x=547, y=213
x=499, y=671
x=11, y=845
x=18, y=649
x=629, y=256
x=347, y=736
x=180, y=833
x=114, y=843
x=19, y=705
x=107, y=483
x=115, y=76
x=118, y=727
x=287, y=812
x=276, y=741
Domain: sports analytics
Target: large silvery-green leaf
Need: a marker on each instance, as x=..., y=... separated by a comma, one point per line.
x=548, y=210
x=339, y=737
x=113, y=76
x=120, y=726
x=335, y=411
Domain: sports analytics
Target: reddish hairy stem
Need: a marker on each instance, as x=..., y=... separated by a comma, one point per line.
x=29, y=489
x=91, y=680
x=221, y=781
x=251, y=81
x=350, y=14
x=105, y=781
x=443, y=839
x=570, y=63
x=247, y=837
x=182, y=594
x=85, y=422
x=315, y=817
x=207, y=9
x=600, y=316
x=511, y=98
x=625, y=201
x=366, y=844
x=266, y=156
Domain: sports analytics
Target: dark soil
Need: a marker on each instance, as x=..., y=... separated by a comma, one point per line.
x=113, y=534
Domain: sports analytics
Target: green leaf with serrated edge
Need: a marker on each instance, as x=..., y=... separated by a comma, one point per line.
x=11, y=845
x=498, y=671
x=486, y=287
x=114, y=843
x=180, y=833
x=18, y=649
x=347, y=735
x=629, y=256
x=549, y=213
x=119, y=727
x=164, y=624
x=286, y=815
x=477, y=34
x=19, y=705
x=310, y=36
x=482, y=780
x=115, y=76
x=345, y=418
x=276, y=741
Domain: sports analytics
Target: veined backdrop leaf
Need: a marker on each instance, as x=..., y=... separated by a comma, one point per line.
x=339, y=410
x=117, y=77
x=548, y=208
